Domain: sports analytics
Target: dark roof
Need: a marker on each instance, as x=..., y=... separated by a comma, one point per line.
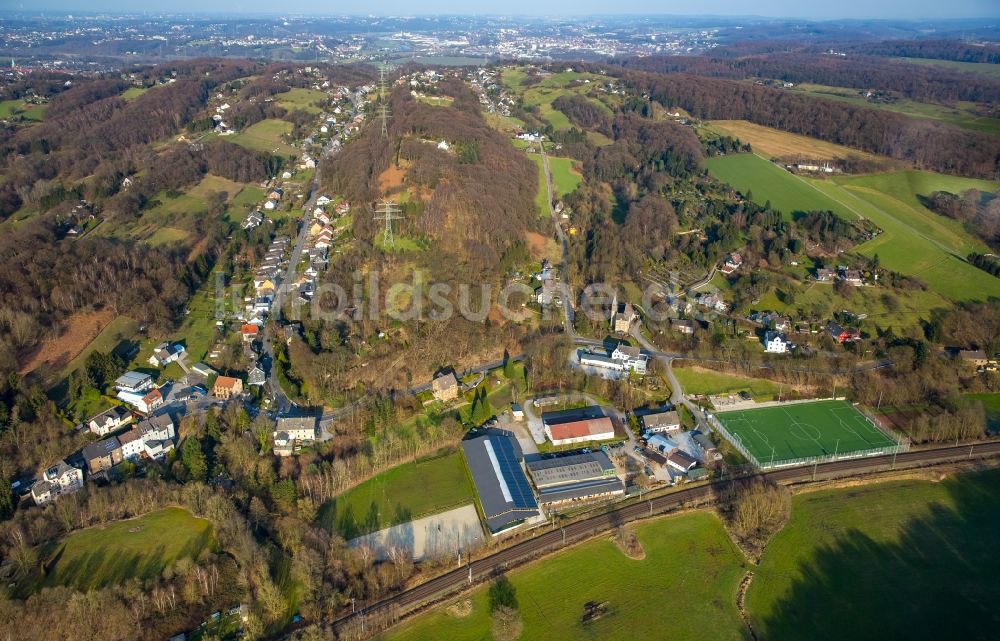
x=101, y=449
x=504, y=493
x=681, y=459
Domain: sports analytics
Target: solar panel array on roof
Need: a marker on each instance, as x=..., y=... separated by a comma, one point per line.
x=509, y=471
x=503, y=490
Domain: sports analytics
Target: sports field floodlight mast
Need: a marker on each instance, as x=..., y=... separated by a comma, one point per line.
x=386, y=212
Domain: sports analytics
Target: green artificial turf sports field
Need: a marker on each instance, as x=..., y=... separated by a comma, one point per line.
x=781, y=434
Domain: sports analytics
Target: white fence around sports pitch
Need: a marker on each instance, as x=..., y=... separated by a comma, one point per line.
x=901, y=445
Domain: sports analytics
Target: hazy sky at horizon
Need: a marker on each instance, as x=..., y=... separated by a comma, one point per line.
x=884, y=9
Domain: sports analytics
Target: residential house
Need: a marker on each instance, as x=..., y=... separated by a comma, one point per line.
x=775, y=342
x=445, y=387
x=669, y=421
x=270, y=205
x=102, y=455
x=166, y=353
x=109, y=420
x=131, y=445
x=61, y=478
x=548, y=293
x=253, y=219
x=292, y=432
x=158, y=435
x=263, y=281
x=134, y=382
x=276, y=193
x=249, y=332
x=143, y=403
x=824, y=275
x=631, y=358
x=682, y=326
x=622, y=317
x=843, y=334
x=733, y=262
x=977, y=359
x=322, y=201
x=256, y=376
x=227, y=387
x=852, y=277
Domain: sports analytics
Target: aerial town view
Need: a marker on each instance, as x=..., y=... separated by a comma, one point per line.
x=523, y=321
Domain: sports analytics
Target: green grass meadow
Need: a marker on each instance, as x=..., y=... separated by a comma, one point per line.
x=26, y=110
x=305, y=99
x=541, y=197
x=565, y=178
x=398, y=495
x=142, y=547
x=684, y=589
x=695, y=380
x=267, y=136
x=751, y=174
x=991, y=403
x=898, y=560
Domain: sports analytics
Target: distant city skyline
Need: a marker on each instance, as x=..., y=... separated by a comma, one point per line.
x=901, y=10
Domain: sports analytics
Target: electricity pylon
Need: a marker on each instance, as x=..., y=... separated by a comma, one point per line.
x=386, y=212
x=383, y=109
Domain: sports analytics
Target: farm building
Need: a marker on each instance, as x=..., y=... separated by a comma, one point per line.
x=576, y=430
x=575, y=477
x=494, y=461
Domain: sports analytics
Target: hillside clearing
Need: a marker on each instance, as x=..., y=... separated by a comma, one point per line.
x=267, y=136
x=80, y=329
x=142, y=547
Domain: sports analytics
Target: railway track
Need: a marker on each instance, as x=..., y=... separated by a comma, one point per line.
x=551, y=540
